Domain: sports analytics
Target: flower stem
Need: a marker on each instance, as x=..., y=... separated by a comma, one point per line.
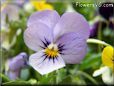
x=96, y=41
x=99, y=35
x=88, y=77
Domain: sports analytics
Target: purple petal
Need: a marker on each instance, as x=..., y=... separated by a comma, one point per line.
x=72, y=22
x=36, y=35
x=111, y=25
x=14, y=74
x=94, y=28
x=44, y=66
x=10, y=11
x=48, y=17
x=18, y=62
x=74, y=47
x=106, y=11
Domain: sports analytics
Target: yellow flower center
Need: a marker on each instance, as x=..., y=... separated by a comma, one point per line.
x=52, y=51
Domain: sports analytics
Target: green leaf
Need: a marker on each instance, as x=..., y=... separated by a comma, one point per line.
x=89, y=77
x=91, y=61
x=48, y=78
x=78, y=80
x=60, y=7
x=4, y=78
x=17, y=82
x=66, y=80
x=61, y=74
x=88, y=12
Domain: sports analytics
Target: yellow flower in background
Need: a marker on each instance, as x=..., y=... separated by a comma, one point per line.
x=3, y=6
x=108, y=56
x=41, y=5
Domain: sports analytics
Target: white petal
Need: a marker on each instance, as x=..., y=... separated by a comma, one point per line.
x=100, y=71
x=107, y=77
x=45, y=66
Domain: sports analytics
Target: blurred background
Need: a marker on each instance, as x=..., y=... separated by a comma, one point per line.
x=15, y=54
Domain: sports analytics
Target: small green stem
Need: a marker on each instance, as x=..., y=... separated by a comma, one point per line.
x=96, y=41
x=88, y=77
x=99, y=35
x=99, y=31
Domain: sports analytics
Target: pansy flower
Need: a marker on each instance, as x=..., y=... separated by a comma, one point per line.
x=9, y=11
x=106, y=74
x=106, y=10
x=14, y=65
x=56, y=40
x=107, y=15
x=108, y=56
x=41, y=5
x=107, y=71
x=100, y=24
x=95, y=27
